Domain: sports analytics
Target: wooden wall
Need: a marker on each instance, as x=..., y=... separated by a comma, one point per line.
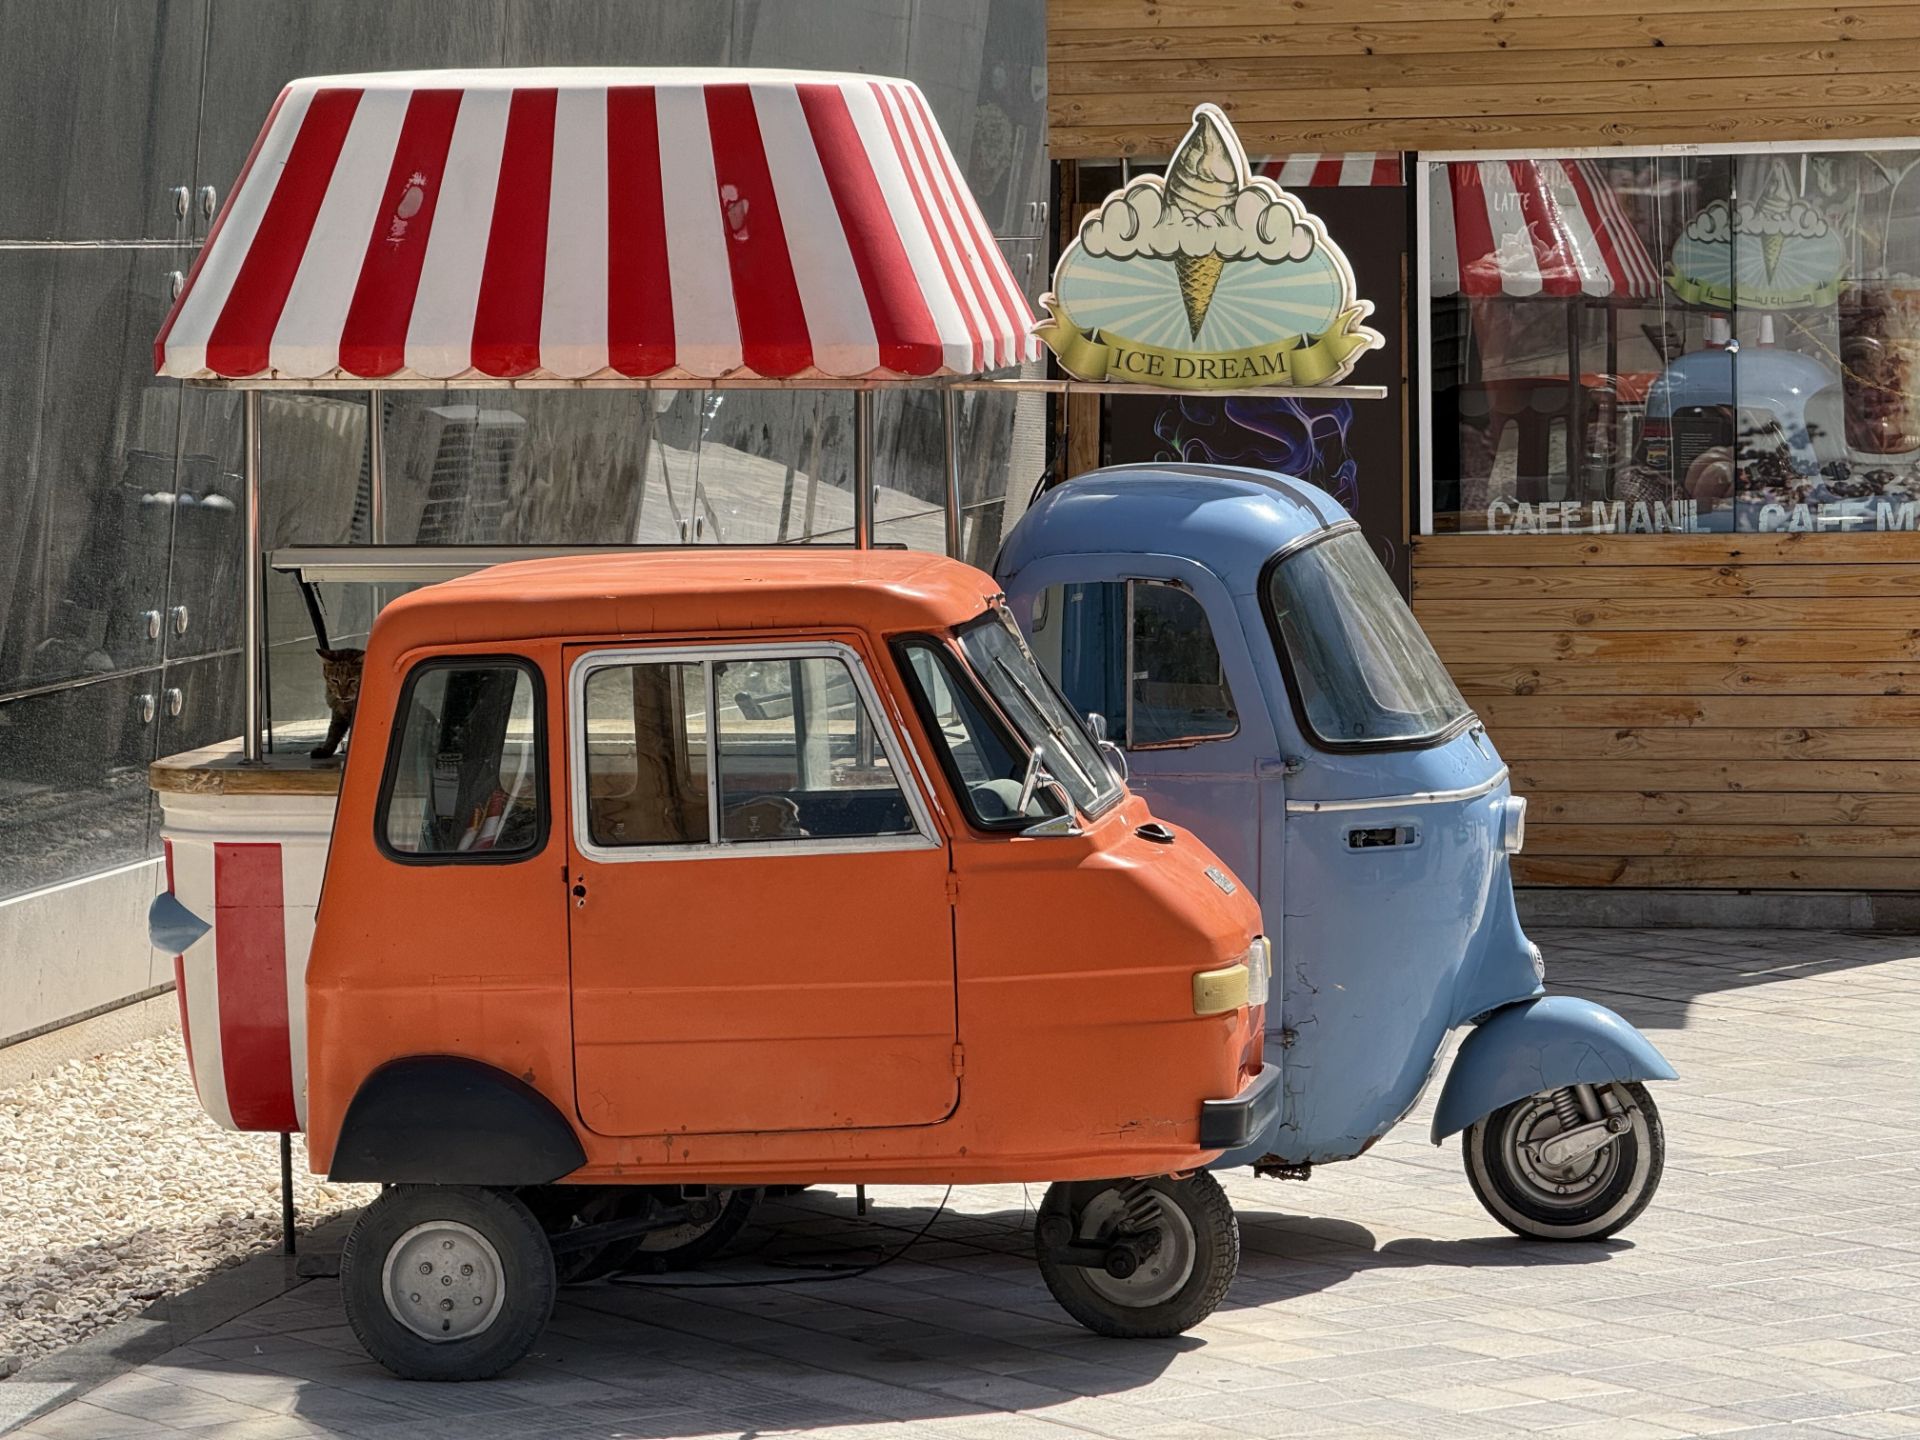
x=1694, y=711
x=1330, y=75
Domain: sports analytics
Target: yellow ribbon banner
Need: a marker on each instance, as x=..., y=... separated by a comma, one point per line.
x=1296, y=360
x=1726, y=296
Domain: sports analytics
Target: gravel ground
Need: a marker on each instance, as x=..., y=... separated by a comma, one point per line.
x=115, y=1189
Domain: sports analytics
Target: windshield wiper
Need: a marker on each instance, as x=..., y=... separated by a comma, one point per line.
x=1053, y=727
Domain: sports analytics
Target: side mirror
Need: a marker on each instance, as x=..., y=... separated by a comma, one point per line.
x=1115, y=757
x=1037, y=779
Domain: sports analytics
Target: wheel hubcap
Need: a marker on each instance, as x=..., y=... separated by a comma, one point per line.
x=1161, y=1274
x=443, y=1281
x=1567, y=1185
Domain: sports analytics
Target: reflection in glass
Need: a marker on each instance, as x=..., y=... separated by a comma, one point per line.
x=1770, y=380
x=466, y=780
x=647, y=755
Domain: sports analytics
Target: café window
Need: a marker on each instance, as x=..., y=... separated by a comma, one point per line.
x=1672, y=342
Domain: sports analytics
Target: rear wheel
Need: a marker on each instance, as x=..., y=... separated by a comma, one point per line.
x=1569, y=1192
x=1171, y=1248
x=447, y=1282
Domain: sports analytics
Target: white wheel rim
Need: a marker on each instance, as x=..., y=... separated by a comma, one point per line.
x=1162, y=1274
x=443, y=1281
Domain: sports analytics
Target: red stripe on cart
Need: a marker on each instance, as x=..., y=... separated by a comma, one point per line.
x=1015, y=319
x=506, y=321
x=219, y=222
x=639, y=273
x=243, y=334
x=940, y=238
x=903, y=326
x=180, y=980
x=250, y=956
x=373, y=341
x=766, y=298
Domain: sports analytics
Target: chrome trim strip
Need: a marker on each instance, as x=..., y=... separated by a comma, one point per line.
x=1311, y=538
x=1394, y=802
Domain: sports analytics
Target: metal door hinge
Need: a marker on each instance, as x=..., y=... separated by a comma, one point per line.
x=953, y=889
x=959, y=1059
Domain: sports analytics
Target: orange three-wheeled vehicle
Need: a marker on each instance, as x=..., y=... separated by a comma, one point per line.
x=659, y=875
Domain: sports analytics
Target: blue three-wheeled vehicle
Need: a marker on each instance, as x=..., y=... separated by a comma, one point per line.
x=1232, y=634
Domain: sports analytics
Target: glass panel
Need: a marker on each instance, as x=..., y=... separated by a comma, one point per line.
x=1359, y=664
x=1581, y=365
x=1080, y=640
x=100, y=105
x=467, y=780
x=1179, y=689
x=89, y=498
x=647, y=755
x=798, y=756
x=1000, y=658
x=982, y=762
x=73, y=781
x=982, y=67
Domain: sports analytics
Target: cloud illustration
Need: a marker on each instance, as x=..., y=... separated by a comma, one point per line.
x=1140, y=220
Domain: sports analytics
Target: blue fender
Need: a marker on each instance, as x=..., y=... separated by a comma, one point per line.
x=1541, y=1044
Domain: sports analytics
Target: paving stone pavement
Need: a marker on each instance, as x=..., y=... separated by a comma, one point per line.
x=1772, y=1289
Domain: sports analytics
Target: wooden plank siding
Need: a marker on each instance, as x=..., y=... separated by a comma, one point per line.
x=1331, y=75
x=1722, y=712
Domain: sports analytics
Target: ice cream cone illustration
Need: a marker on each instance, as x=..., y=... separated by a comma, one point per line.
x=1775, y=206
x=1206, y=173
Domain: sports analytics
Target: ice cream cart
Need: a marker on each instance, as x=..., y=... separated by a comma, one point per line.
x=640, y=230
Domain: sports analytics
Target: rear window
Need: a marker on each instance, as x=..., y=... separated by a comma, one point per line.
x=1359, y=666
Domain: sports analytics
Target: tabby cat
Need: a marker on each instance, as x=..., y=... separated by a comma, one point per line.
x=342, y=671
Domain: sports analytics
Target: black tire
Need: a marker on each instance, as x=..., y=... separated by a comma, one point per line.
x=1590, y=1200
x=686, y=1246
x=508, y=1274
x=1198, y=1257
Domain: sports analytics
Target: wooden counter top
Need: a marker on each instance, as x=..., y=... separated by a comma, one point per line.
x=217, y=770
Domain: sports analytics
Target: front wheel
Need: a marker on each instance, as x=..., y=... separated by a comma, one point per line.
x=1138, y=1259
x=1588, y=1185
x=447, y=1282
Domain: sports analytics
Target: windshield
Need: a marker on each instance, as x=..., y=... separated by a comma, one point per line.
x=1048, y=725
x=1362, y=670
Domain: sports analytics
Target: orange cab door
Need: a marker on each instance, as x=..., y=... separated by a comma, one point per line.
x=761, y=930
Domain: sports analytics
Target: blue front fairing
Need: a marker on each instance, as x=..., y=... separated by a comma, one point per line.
x=1399, y=924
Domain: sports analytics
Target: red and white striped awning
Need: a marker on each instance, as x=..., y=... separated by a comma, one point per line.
x=541, y=225
x=1355, y=167
x=1533, y=227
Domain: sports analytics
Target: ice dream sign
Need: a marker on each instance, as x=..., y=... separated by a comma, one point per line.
x=1209, y=277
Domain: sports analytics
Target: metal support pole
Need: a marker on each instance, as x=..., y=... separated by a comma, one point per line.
x=253, y=576
x=287, y=1245
x=950, y=427
x=863, y=469
x=376, y=468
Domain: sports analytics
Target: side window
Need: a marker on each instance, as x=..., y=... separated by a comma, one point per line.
x=1179, y=688
x=465, y=776
x=798, y=756
x=646, y=749
x=730, y=751
x=1089, y=637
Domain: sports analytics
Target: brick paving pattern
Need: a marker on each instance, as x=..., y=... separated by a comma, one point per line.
x=1772, y=1289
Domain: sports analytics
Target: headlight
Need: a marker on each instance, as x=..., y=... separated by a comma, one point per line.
x=1245, y=982
x=1259, y=963
x=1513, y=825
